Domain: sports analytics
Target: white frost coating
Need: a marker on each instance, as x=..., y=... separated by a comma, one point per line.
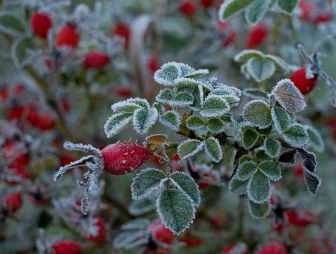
x=200, y=93
x=256, y=11
x=81, y=148
x=144, y=119
x=241, y=191
x=288, y=96
x=140, y=223
x=149, y=190
x=188, y=71
x=256, y=120
x=279, y=63
x=163, y=77
x=249, y=191
x=272, y=152
x=193, y=152
x=117, y=126
x=307, y=174
x=130, y=105
x=239, y=121
x=125, y=238
x=255, y=93
x=171, y=119
x=214, y=106
x=259, y=69
x=259, y=217
x=211, y=151
x=280, y=124
x=230, y=89
x=225, y=5
x=247, y=54
x=165, y=96
x=315, y=139
x=296, y=135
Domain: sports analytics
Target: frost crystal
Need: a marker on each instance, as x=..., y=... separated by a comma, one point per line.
x=258, y=113
x=171, y=119
x=144, y=119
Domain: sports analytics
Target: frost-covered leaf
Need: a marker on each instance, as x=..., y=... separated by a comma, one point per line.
x=160, y=108
x=258, y=113
x=19, y=51
x=144, y=119
x=117, y=123
x=288, y=158
x=272, y=147
x=189, y=148
x=267, y=131
x=147, y=181
x=190, y=72
x=255, y=93
x=139, y=207
x=260, y=69
x=288, y=96
x=259, y=188
x=245, y=55
x=182, y=99
x=195, y=123
x=176, y=210
x=167, y=74
x=281, y=119
x=280, y=64
x=288, y=6
x=250, y=137
x=215, y=125
x=240, y=121
x=296, y=135
x=246, y=170
x=315, y=139
x=130, y=105
x=11, y=25
x=271, y=170
x=245, y=158
x=238, y=187
x=261, y=155
x=232, y=7
x=165, y=96
x=140, y=223
x=259, y=211
x=312, y=180
x=256, y=11
x=171, y=119
x=187, y=185
x=213, y=149
x=214, y=106
x=124, y=239
x=230, y=89
x=309, y=160
x=198, y=95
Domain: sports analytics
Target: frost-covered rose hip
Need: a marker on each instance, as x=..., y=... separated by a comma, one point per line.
x=68, y=36
x=40, y=24
x=302, y=83
x=122, y=158
x=95, y=60
x=256, y=36
x=101, y=234
x=187, y=8
x=12, y=202
x=124, y=31
x=67, y=247
x=160, y=233
x=273, y=248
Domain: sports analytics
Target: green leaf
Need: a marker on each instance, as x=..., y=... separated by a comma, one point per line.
x=250, y=137
x=255, y=93
x=189, y=148
x=240, y=121
x=167, y=74
x=245, y=158
x=247, y=54
x=160, y=108
x=117, y=123
x=171, y=119
x=182, y=99
x=272, y=147
x=280, y=64
x=198, y=95
x=281, y=119
x=176, y=210
x=315, y=139
x=195, y=123
x=11, y=25
x=130, y=105
x=261, y=155
x=214, y=106
x=213, y=149
x=260, y=69
x=144, y=119
x=215, y=125
x=19, y=52
x=147, y=181
x=256, y=11
x=259, y=211
x=232, y=7
x=246, y=170
x=140, y=207
x=288, y=6
x=259, y=188
x=140, y=223
x=267, y=131
x=271, y=170
x=238, y=187
x=187, y=185
x=296, y=135
x=165, y=96
x=258, y=113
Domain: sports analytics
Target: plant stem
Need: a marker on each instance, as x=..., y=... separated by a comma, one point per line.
x=240, y=208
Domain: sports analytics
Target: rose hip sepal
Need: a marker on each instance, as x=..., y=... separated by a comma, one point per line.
x=117, y=159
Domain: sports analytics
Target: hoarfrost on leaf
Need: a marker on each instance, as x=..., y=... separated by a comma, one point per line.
x=165, y=96
x=171, y=119
x=288, y=158
x=258, y=113
x=246, y=170
x=315, y=139
x=231, y=8
x=259, y=211
x=140, y=223
x=189, y=148
x=259, y=188
x=281, y=119
x=271, y=170
x=237, y=186
x=213, y=149
x=245, y=55
x=117, y=123
x=256, y=11
x=215, y=125
x=214, y=106
x=272, y=147
x=130, y=105
x=255, y=93
x=288, y=6
x=144, y=119
x=167, y=74
x=296, y=135
x=260, y=69
x=250, y=138
x=195, y=123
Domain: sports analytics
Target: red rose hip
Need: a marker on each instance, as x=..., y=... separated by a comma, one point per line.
x=302, y=83
x=95, y=60
x=68, y=36
x=67, y=247
x=256, y=36
x=40, y=24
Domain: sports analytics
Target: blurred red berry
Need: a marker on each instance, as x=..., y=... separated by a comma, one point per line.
x=65, y=104
x=95, y=60
x=101, y=236
x=207, y=3
x=13, y=152
x=323, y=17
x=153, y=64
x=306, y=8
x=302, y=218
x=67, y=247
x=46, y=122
x=160, y=233
x=19, y=89
x=12, y=202
x=125, y=92
x=4, y=94
x=298, y=170
x=229, y=248
x=68, y=36
x=273, y=248
x=122, y=158
x=124, y=31
x=192, y=240
x=302, y=83
x=17, y=170
x=40, y=24
x=187, y=8
x=256, y=36
x=207, y=178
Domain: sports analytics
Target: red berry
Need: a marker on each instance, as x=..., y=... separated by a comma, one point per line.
x=125, y=92
x=192, y=240
x=124, y=31
x=95, y=60
x=19, y=89
x=207, y=3
x=187, y=8
x=15, y=112
x=206, y=177
x=323, y=17
x=160, y=233
x=65, y=104
x=46, y=122
x=67, y=247
x=301, y=218
x=302, y=83
x=298, y=170
x=37, y=196
x=229, y=248
x=101, y=236
x=12, y=202
x=40, y=24
x=256, y=36
x=153, y=64
x=307, y=9
x=32, y=115
x=4, y=94
x=273, y=248
x=122, y=158
x=68, y=36
x=14, y=153
x=18, y=170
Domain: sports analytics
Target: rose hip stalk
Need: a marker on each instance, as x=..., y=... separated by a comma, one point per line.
x=117, y=159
